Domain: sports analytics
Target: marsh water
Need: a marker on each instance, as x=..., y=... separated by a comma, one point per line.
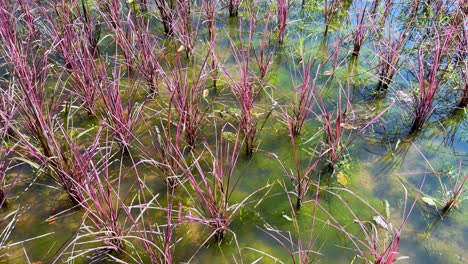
x=384, y=167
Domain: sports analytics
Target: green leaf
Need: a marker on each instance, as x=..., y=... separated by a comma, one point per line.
x=287, y=217
x=33, y=164
x=429, y=201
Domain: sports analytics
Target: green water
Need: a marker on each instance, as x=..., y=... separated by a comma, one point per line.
x=380, y=168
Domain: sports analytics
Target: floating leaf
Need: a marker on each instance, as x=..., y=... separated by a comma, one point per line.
x=52, y=218
x=206, y=92
x=387, y=209
x=181, y=48
x=381, y=222
x=348, y=126
x=229, y=136
x=287, y=217
x=429, y=201
x=342, y=179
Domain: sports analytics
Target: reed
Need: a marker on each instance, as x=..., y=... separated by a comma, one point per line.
x=5, y=164
x=452, y=186
x=359, y=33
x=123, y=31
x=100, y=199
x=339, y=130
x=209, y=12
x=389, y=48
x=122, y=116
x=70, y=40
x=454, y=192
x=186, y=88
x=163, y=155
x=110, y=225
x=234, y=8
x=282, y=12
x=182, y=27
x=7, y=224
x=329, y=12
x=429, y=79
x=334, y=132
x=303, y=177
x=211, y=175
x=305, y=100
x=462, y=49
x=372, y=248
x=300, y=250
x=148, y=55
x=8, y=109
x=463, y=102
x=5, y=156
x=264, y=55
x=92, y=28
x=244, y=90
x=28, y=64
x=144, y=5
x=166, y=12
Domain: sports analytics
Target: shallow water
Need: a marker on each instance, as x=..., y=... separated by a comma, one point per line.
x=376, y=170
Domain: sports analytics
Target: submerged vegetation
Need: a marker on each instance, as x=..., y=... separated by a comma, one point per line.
x=169, y=131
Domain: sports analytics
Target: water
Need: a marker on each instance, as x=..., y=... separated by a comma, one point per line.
x=381, y=170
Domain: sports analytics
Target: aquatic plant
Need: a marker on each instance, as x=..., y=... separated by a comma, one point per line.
x=264, y=55
x=454, y=193
x=210, y=173
x=428, y=79
x=372, y=248
x=303, y=178
x=183, y=176
x=234, y=7
x=100, y=199
x=29, y=65
x=305, y=100
x=166, y=12
x=71, y=41
x=8, y=109
x=300, y=250
x=123, y=31
x=109, y=225
x=464, y=98
x=359, y=33
x=329, y=11
x=122, y=117
x=5, y=165
x=388, y=48
x=92, y=28
x=282, y=9
x=7, y=224
x=244, y=89
x=182, y=28
x=462, y=50
x=186, y=88
x=149, y=53
x=339, y=131
x=452, y=186
x=30, y=73
x=209, y=12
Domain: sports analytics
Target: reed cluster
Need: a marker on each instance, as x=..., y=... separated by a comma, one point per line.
x=134, y=115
